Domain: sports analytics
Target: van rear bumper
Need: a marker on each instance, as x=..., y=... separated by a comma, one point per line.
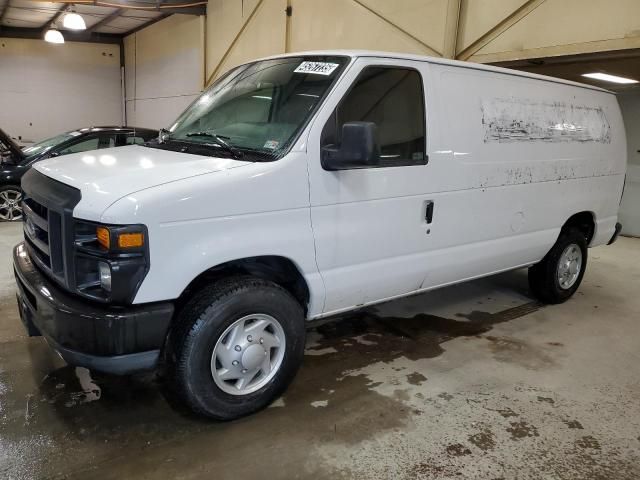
x=106, y=338
x=616, y=233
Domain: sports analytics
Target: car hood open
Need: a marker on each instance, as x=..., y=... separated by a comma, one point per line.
x=105, y=176
x=12, y=146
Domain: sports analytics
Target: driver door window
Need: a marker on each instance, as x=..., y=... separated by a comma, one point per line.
x=393, y=99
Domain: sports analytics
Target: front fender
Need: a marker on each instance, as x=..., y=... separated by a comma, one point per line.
x=198, y=223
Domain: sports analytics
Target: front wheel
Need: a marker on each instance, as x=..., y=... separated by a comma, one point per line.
x=559, y=274
x=235, y=347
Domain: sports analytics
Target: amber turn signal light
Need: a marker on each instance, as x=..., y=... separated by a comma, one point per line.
x=130, y=240
x=103, y=237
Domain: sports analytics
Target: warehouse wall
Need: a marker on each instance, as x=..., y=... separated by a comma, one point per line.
x=47, y=89
x=553, y=27
x=630, y=207
x=475, y=30
x=164, y=70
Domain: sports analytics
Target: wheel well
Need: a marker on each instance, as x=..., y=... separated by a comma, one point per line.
x=584, y=222
x=279, y=270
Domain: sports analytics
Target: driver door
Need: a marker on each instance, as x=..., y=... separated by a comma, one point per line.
x=371, y=225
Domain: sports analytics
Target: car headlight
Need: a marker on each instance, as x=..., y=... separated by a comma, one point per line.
x=110, y=260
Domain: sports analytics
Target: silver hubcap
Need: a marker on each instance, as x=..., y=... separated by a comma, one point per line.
x=248, y=354
x=10, y=207
x=569, y=266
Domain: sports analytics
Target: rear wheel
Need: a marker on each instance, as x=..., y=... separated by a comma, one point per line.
x=10, y=203
x=559, y=274
x=235, y=347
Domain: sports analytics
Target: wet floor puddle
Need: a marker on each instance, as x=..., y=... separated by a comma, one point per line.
x=106, y=415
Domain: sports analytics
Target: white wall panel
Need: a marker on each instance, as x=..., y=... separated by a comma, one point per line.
x=630, y=207
x=157, y=112
x=164, y=70
x=238, y=32
x=47, y=89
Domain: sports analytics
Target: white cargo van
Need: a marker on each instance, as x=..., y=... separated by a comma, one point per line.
x=301, y=186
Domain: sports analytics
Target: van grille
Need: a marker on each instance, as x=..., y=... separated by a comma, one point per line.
x=48, y=225
x=42, y=235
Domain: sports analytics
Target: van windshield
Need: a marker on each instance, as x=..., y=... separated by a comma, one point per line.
x=260, y=107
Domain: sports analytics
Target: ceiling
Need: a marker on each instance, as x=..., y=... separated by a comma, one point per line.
x=623, y=63
x=108, y=19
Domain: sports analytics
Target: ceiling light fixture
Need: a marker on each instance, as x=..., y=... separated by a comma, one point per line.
x=73, y=21
x=605, y=77
x=53, y=36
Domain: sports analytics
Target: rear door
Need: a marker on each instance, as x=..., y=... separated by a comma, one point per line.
x=370, y=225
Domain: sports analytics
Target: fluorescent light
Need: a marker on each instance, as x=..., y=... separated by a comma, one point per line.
x=73, y=21
x=53, y=36
x=605, y=77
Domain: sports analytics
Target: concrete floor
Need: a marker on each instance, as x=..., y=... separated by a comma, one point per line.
x=472, y=381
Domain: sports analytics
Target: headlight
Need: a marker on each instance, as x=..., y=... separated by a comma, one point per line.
x=111, y=261
x=105, y=275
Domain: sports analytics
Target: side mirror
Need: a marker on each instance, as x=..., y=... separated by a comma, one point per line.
x=359, y=148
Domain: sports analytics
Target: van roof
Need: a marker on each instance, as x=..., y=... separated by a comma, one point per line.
x=441, y=61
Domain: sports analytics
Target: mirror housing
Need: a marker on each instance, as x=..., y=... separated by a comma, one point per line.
x=359, y=148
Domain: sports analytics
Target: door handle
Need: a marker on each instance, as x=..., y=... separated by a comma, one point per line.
x=429, y=212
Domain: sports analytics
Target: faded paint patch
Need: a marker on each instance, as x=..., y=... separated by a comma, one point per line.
x=508, y=120
x=320, y=403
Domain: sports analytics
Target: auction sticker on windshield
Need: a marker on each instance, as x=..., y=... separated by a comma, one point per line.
x=271, y=144
x=319, y=68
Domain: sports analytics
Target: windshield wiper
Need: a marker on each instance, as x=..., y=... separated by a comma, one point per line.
x=219, y=140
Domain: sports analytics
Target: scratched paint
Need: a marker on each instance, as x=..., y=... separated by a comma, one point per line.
x=507, y=120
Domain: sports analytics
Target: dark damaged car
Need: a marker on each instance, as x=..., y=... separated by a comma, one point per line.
x=16, y=161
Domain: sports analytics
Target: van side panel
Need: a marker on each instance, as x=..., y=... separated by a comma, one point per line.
x=511, y=159
x=501, y=130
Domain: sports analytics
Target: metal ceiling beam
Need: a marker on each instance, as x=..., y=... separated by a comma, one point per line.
x=105, y=20
x=146, y=24
x=497, y=30
x=451, y=28
x=69, y=36
x=3, y=11
x=55, y=17
x=190, y=7
x=187, y=7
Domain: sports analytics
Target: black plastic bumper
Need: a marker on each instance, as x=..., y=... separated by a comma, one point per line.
x=106, y=338
x=616, y=233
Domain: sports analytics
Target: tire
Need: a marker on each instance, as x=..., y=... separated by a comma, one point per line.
x=204, y=383
x=10, y=207
x=552, y=282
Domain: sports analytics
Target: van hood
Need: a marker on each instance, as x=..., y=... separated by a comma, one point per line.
x=105, y=176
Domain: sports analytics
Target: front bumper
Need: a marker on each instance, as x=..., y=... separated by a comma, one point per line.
x=111, y=339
